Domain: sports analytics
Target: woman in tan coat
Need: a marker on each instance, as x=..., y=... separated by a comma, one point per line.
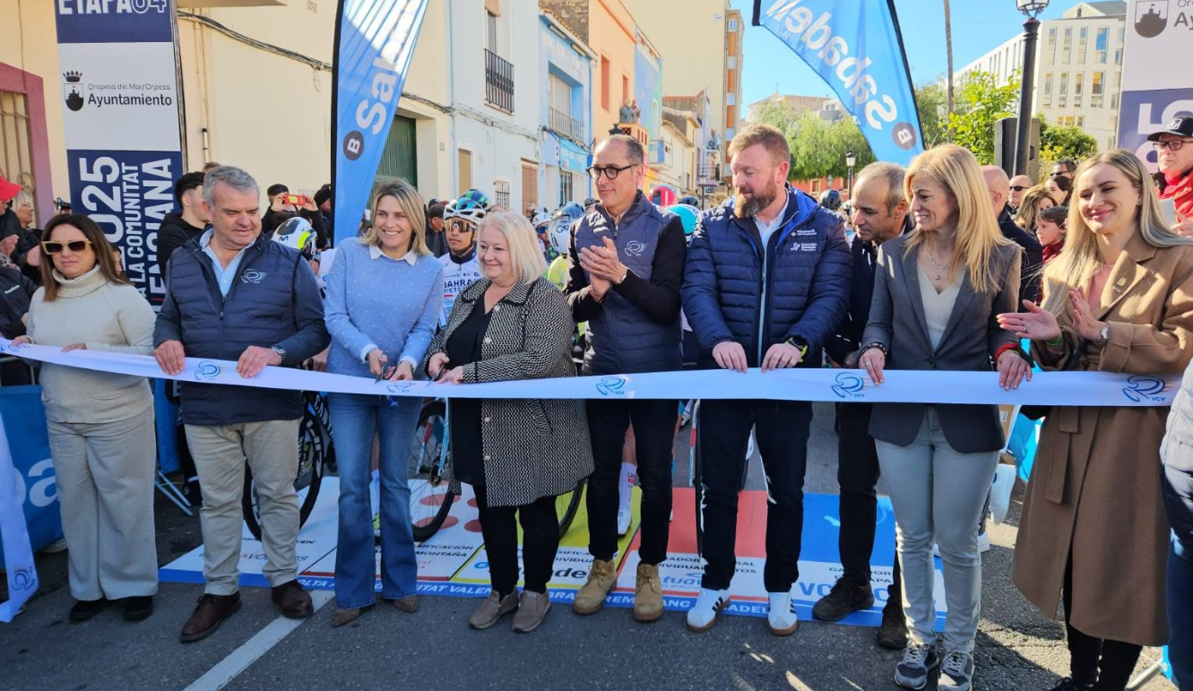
x=1119, y=299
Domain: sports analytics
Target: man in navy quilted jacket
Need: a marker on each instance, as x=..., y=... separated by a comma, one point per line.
x=766, y=284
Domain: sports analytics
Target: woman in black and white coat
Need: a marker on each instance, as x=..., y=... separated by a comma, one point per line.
x=518, y=454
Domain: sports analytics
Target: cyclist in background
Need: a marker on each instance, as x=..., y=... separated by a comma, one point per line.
x=460, y=267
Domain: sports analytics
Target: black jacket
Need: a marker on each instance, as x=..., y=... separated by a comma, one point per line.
x=173, y=233
x=1033, y=258
x=273, y=300
x=16, y=291
x=848, y=338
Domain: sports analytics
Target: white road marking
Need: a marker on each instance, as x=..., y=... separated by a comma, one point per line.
x=239, y=660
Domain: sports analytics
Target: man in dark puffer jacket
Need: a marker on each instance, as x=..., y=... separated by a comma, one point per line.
x=766, y=284
x=233, y=295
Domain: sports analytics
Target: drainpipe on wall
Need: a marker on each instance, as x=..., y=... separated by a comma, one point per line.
x=452, y=157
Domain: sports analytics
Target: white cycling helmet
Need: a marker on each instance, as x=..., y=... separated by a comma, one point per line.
x=471, y=206
x=296, y=233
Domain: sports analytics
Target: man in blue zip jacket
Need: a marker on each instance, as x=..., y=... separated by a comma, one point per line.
x=231, y=294
x=766, y=284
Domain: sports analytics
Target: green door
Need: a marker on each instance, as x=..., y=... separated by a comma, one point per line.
x=400, y=160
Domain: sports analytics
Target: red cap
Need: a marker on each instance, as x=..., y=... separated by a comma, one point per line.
x=8, y=190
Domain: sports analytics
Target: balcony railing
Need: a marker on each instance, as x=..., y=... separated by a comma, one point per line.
x=660, y=154
x=565, y=124
x=499, y=82
x=708, y=171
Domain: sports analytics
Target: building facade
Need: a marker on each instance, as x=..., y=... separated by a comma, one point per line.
x=1078, y=68
x=735, y=30
x=566, y=69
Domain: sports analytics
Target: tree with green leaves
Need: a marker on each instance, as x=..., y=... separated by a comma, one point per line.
x=1062, y=141
x=980, y=105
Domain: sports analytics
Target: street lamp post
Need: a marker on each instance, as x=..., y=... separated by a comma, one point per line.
x=1030, y=9
x=850, y=160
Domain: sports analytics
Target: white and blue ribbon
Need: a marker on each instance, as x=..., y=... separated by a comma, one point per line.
x=827, y=385
x=14, y=533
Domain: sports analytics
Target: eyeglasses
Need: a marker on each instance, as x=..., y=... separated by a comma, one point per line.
x=1171, y=145
x=1019, y=188
x=459, y=226
x=56, y=247
x=1058, y=173
x=610, y=172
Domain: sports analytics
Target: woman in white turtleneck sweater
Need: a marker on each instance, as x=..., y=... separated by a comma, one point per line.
x=100, y=425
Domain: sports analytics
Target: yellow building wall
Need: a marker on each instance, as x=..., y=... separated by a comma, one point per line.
x=693, y=49
x=262, y=111
x=611, y=36
x=30, y=42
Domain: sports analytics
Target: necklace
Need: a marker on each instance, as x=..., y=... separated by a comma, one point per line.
x=940, y=268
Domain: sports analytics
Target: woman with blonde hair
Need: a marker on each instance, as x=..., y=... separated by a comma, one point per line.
x=1034, y=201
x=518, y=454
x=937, y=294
x=384, y=295
x=1119, y=298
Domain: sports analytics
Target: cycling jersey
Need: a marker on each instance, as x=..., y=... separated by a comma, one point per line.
x=458, y=274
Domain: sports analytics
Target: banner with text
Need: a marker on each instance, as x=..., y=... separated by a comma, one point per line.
x=121, y=120
x=374, y=45
x=1154, y=89
x=857, y=48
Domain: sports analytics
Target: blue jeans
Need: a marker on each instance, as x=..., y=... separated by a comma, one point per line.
x=354, y=419
x=1180, y=612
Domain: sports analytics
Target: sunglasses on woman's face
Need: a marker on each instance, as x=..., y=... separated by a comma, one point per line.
x=56, y=247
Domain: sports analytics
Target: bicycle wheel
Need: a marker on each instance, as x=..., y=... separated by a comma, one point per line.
x=566, y=506
x=433, y=490
x=314, y=447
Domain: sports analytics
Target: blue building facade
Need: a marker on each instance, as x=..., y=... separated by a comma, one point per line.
x=566, y=76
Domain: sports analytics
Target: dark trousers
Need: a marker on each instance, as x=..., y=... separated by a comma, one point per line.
x=781, y=429
x=654, y=434
x=857, y=475
x=1180, y=612
x=540, y=541
x=1104, y=664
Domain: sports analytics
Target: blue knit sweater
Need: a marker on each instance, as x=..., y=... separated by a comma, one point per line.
x=375, y=300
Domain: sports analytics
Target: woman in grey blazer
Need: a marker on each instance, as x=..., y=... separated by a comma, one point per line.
x=937, y=294
x=518, y=454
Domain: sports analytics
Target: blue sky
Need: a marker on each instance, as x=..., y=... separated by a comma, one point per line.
x=978, y=27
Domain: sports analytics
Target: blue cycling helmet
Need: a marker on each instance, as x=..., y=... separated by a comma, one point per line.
x=688, y=214
x=471, y=206
x=689, y=200
x=572, y=210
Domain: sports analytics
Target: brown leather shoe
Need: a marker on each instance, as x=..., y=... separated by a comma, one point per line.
x=344, y=616
x=408, y=604
x=212, y=610
x=294, y=602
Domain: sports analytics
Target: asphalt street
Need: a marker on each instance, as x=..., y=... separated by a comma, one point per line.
x=1018, y=646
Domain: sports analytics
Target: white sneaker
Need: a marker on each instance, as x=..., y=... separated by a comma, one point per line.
x=623, y=521
x=703, y=614
x=1000, y=492
x=781, y=619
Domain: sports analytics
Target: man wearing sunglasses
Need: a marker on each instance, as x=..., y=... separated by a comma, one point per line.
x=1174, y=155
x=1065, y=168
x=626, y=261
x=460, y=266
x=1020, y=184
x=233, y=294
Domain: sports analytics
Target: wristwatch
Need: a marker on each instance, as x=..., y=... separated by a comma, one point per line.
x=1103, y=336
x=799, y=344
x=279, y=350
